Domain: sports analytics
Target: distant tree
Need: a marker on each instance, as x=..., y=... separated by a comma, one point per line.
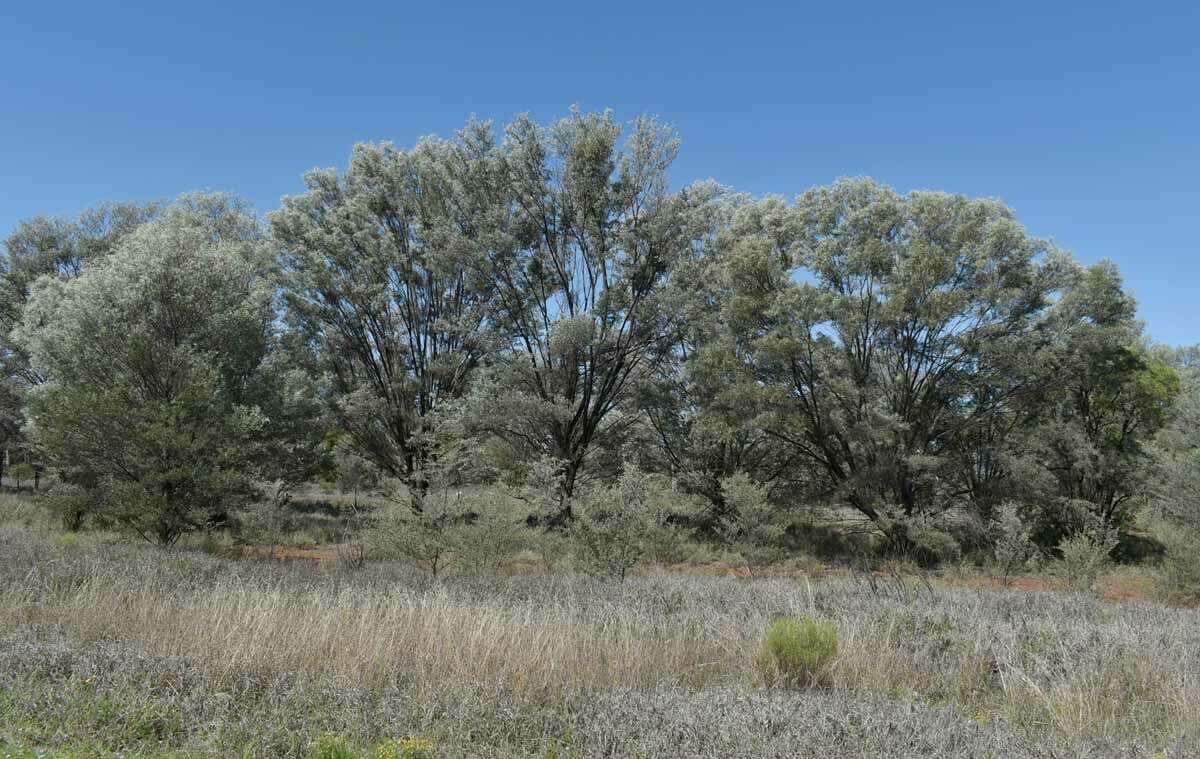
x=10, y=421
x=1105, y=399
x=152, y=356
x=1176, y=487
x=617, y=523
x=354, y=473
x=56, y=247
x=1012, y=544
x=379, y=282
x=874, y=329
x=698, y=400
x=577, y=271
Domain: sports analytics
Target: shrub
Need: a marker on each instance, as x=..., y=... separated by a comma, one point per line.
x=72, y=504
x=752, y=526
x=1180, y=580
x=330, y=746
x=489, y=535
x=616, y=524
x=428, y=537
x=1085, y=552
x=1012, y=545
x=407, y=748
x=930, y=544
x=797, y=652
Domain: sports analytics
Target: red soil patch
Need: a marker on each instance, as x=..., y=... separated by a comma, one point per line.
x=315, y=554
x=987, y=582
x=1111, y=588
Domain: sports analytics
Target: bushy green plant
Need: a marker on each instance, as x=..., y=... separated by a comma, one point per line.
x=72, y=504
x=488, y=535
x=406, y=748
x=752, y=525
x=22, y=475
x=429, y=537
x=797, y=651
x=616, y=524
x=330, y=746
x=1180, y=578
x=1012, y=544
x=1085, y=552
x=930, y=543
x=451, y=520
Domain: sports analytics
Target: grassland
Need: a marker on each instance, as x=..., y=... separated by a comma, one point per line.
x=109, y=648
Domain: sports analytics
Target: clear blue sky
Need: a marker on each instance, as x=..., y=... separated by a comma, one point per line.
x=1085, y=119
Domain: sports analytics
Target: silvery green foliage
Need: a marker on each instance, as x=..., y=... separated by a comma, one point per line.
x=1012, y=546
x=578, y=270
x=1177, y=448
x=1086, y=551
x=752, y=525
x=858, y=311
x=453, y=522
x=55, y=247
x=152, y=356
x=617, y=524
x=380, y=275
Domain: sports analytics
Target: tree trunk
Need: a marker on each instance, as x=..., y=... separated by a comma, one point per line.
x=566, y=495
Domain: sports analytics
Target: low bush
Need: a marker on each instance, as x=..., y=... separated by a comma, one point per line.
x=407, y=748
x=330, y=746
x=1180, y=578
x=616, y=525
x=753, y=527
x=1012, y=545
x=1085, y=553
x=797, y=652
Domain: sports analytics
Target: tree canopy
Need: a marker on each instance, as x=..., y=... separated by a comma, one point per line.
x=543, y=297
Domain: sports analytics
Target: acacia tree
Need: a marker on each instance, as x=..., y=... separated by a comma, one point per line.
x=700, y=402
x=578, y=271
x=1105, y=398
x=57, y=247
x=379, y=281
x=870, y=323
x=151, y=357
x=1178, y=443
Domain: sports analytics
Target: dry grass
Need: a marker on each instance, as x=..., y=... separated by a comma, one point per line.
x=1064, y=672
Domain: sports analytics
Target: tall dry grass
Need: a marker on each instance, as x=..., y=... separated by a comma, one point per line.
x=1064, y=669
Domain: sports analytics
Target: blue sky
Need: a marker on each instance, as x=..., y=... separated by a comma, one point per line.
x=1084, y=118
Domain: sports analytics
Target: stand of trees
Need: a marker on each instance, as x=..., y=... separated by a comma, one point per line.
x=919, y=361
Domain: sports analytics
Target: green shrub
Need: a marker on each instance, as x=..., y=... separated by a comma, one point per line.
x=1012, y=545
x=753, y=526
x=489, y=535
x=797, y=652
x=1085, y=552
x=407, y=748
x=330, y=746
x=72, y=504
x=1180, y=579
x=616, y=525
x=931, y=544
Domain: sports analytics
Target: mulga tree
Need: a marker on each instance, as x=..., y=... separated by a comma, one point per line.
x=578, y=275
x=702, y=403
x=59, y=247
x=380, y=285
x=152, y=357
x=1105, y=398
x=1177, y=447
x=868, y=321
